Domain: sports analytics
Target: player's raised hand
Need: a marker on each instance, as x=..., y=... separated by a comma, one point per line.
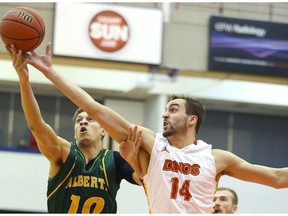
x=42, y=62
x=129, y=148
x=19, y=60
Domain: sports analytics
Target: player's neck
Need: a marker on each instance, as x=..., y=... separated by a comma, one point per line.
x=90, y=151
x=181, y=141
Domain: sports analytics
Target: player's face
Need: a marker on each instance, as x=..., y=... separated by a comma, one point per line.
x=87, y=129
x=175, y=119
x=223, y=203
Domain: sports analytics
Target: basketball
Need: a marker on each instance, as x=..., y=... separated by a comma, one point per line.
x=23, y=27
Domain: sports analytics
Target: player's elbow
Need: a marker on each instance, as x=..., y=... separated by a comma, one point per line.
x=281, y=178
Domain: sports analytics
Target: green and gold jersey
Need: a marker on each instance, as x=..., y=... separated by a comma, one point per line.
x=81, y=188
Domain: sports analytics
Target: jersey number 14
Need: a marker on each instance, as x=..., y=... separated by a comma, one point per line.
x=183, y=191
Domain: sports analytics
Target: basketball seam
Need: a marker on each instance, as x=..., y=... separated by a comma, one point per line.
x=42, y=28
x=21, y=39
x=15, y=21
x=35, y=16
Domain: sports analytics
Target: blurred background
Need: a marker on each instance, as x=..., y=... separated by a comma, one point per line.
x=233, y=56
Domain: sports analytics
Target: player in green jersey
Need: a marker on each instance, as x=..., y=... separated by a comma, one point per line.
x=83, y=177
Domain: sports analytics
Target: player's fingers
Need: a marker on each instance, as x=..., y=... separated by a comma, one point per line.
x=25, y=55
x=139, y=142
x=33, y=53
x=18, y=58
x=12, y=52
x=13, y=49
x=8, y=49
x=139, y=134
x=25, y=63
x=129, y=134
x=134, y=133
x=48, y=49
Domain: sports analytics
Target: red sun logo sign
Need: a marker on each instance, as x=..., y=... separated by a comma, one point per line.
x=109, y=31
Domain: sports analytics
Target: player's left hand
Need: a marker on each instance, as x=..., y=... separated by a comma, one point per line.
x=129, y=148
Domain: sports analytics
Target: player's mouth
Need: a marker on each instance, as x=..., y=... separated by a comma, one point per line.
x=165, y=125
x=217, y=211
x=83, y=129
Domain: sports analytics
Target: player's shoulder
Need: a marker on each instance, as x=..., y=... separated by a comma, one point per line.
x=116, y=155
x=222, y=154
x=219, y=152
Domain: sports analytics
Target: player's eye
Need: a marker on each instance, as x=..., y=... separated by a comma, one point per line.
x=172, y=110
x=90, y=119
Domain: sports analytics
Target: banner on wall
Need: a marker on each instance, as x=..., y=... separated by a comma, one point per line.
x=247, y=46
x=108, y=32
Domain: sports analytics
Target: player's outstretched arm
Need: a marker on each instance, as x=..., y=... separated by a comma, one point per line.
x=45, y=136
x=232, y=165
x=112, y=122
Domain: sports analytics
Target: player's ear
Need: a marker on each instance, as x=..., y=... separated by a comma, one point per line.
x=192, y=119
x=102, y=132
x=234, y=208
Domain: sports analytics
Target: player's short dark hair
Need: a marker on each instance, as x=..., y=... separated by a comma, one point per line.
x=193, y=107
x=76, y=113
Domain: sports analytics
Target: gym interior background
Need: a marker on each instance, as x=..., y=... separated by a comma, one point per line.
x=247, y=113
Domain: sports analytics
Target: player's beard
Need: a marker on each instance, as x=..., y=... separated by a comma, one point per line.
x=169, y=132
x=172, y=130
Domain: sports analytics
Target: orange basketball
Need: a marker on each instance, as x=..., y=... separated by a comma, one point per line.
x=23, y=27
